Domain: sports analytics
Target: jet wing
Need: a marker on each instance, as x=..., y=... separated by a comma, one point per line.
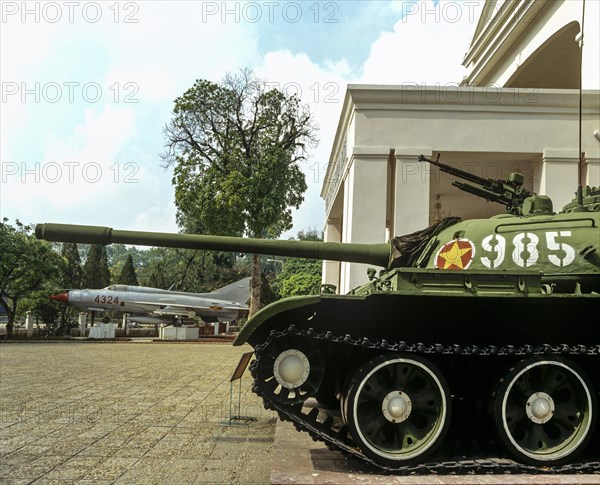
x=93, y=309
x=178, y=307
x=176, y=312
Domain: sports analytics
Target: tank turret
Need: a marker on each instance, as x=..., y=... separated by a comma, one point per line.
x=474, y=340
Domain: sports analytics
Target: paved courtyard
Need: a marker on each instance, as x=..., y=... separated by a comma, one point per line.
x=151, y=413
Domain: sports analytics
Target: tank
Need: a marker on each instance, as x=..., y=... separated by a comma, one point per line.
x=473, y=347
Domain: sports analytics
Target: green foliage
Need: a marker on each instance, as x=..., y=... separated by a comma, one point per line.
x=299, y=276
x=73, y=272
x=267, y=294
x=300, y=284
x=186, y=269
x=44, y=309
x=128, y=276
x=236, y=148
x=26, y=264
x=117, y=255
x=95, y=270
x=157, y=278
x=310, y=235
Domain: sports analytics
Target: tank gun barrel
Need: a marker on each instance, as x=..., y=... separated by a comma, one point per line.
x=375, y=254
x=457, y=172
x=510, y=192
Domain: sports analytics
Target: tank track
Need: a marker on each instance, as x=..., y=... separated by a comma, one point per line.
x=341, y=441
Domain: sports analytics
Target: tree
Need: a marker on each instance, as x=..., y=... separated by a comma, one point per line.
x=73, y=274
x=236, y=147
x=128, y=275
x=157, y=278
x=45, y=310
x=117, y=255
x=26, y=264
x=95, y=269
x=72, y=278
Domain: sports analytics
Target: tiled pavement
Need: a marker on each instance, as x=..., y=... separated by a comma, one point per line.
x=153, y=413
x=100, y=413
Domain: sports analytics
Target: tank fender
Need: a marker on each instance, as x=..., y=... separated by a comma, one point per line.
x=271, y=311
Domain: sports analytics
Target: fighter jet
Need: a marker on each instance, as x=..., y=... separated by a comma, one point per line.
x=163, y=306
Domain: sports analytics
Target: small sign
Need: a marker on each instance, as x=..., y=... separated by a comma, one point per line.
x=241, y=367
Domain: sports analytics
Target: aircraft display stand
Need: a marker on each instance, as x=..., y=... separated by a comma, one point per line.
x=237, y=419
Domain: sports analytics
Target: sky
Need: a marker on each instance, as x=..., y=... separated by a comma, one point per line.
x=88, y=87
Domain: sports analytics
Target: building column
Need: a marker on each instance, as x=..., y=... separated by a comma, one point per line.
x=331, y=269
x=591, y=167
x=410, y=191
x=29, y=324
x=364, y=208
x=558, y=177
x=82, y=323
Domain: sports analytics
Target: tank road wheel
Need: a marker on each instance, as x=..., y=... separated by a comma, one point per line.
x=290, y=370
x=397, y=409
x=543, y=411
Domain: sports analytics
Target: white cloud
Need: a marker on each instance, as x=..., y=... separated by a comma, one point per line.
x=101, y=137
x=173, y=44
x=426, y=47
x=76, y=171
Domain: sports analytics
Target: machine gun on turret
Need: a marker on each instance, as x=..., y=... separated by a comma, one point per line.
x=509, y=192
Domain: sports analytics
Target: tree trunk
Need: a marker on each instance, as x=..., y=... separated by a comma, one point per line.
x=11, y=313
x=255, y=285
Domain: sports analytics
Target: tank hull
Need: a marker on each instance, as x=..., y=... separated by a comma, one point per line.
x=535, y=319
x=472, y=348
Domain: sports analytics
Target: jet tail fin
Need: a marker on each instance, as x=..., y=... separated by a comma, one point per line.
x=238, y=291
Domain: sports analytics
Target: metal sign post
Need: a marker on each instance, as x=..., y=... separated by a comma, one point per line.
x=237, y=419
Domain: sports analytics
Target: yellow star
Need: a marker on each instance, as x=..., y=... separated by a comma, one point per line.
x=453, y=256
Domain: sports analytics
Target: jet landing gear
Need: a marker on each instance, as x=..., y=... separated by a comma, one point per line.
x=177, y=321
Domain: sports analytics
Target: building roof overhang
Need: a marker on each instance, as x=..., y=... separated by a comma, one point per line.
x=410, y=97
x=501, y=24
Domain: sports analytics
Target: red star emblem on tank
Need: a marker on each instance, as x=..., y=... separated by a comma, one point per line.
x=455, y=254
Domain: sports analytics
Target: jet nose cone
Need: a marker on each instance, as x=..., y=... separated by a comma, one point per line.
x=62, y=297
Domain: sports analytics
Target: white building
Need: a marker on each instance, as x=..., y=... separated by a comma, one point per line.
x=516, y=110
